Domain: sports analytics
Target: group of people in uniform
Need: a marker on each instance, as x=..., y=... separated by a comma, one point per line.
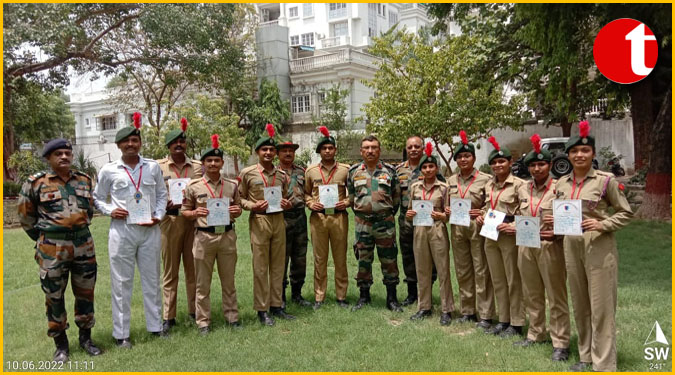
x=56, y=208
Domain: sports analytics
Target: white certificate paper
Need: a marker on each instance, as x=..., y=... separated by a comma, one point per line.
x=527, y=231
x=328, y=195
x=219, y=211
x=139, y=211
x=492, y=219
x=459, y=211
x=567, y=217
x=423, y=208
x=176, y=187
x=273, y=198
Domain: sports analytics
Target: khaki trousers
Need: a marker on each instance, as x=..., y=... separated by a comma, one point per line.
x=268, y=244
x=543, y=274
x=177, y=237
x=592, y=266
x=502, y=257
x=431, y=247
x=471, y=268
x=333, y=230
x=210, y=248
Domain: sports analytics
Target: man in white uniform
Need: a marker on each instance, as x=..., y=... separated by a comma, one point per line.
x=132, y=177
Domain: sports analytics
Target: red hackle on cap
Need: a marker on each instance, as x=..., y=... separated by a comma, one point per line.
x=462, y=135
x=183, y=124
x=536, y=143
x=584, y=129
x=324, y=130
x=137, y=120
x=428, y=149
x=494, y=142
x=270, y=130
x=214, y=141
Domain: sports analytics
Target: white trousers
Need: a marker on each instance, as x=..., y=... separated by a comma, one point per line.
x=128, y=245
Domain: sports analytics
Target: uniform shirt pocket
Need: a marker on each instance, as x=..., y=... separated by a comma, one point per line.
x=51, y=200
x=120, y=189
x=83, y=198
x=148, y=187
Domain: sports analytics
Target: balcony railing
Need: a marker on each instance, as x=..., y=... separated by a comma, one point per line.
x=335, y=41
x=268, y=23
x=343, y=56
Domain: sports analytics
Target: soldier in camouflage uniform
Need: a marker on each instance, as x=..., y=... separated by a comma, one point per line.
x=55, y=209
x=296, y=224
x=408, y=173
x=375, y=195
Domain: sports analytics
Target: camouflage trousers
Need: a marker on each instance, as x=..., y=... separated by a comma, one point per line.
x=405, y=241
x=296, y=246
x=57, y=260
x=380, y=231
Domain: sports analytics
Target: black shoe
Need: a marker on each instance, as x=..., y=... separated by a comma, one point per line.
x=484, y=324
x=512, y=331
x=265, y=318
x=412, y=295
x=317, y=305
x=392, y=300
x=167, y=324
x=364, y=298
x=467, y=318
x=342, y=303
x=281, y=313
x=524, y=343
x=296, y=290
x=87, y=344
x=581, y=366
x=235, y=325
x=560, y=354
x=420, y=315
x=498, y=328
x=203, y=331
x=62, y=351
x=446, y=319
x=163, y=334
x=193, y=317
x=123, y=343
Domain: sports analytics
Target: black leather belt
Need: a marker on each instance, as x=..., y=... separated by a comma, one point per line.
x=77, y=233
x=173, y=212
x=335, y=211
x=213, y=229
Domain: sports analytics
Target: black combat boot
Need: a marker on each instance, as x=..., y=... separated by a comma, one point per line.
x=412, y=295
x=364, y=298
x=392, y=300
x=87, y=344
x=62, y=352
x=296, y=290
x=280, y=312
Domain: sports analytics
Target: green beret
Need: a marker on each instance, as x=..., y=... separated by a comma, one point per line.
x=125, y=132
x=461, y=147
x=544, y=155
x=212, y=152
x=172, y=136
x=502, y=153
x=428, y=159
x=325, y=140
x=265, y=141
x=290, y=144
x=56, y=144
x=578, y=140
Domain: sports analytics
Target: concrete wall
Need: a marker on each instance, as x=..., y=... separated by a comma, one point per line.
x=272, y=57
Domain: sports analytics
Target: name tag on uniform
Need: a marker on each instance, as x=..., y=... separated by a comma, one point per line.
x=360, y=182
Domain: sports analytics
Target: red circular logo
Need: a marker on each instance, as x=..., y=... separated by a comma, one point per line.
x=625, y=50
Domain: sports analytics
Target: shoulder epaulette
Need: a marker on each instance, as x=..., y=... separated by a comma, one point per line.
x=36, y=176
x=389, y=166
x=353, y=167
x=79, y=173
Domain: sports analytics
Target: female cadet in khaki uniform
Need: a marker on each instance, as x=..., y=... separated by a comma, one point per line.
x=430, y=244
x=502, y=255
x=591, y=258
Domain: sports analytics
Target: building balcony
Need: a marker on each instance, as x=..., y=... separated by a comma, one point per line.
x=335, y=41
x=343, y=56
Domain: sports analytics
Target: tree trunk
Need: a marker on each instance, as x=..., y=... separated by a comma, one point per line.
x=657, y=199
x=642, y=112
x=235, y=160
x=7, y=134
x=566, y=127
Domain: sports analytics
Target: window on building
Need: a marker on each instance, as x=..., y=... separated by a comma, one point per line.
x=300, y=104
x=339, y=29
x=384, y=10
x=292, y=12
x=336, y=10
x=393, y=18
x=307, y=10
x=379, y=9
x=322, y=97
x=308, y=39
x=86, y=124
x=295, y=40
x=372, y=20
x=107, y=123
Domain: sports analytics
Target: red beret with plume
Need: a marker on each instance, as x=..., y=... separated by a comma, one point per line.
x=183, y=124
x=324, y=130
x=214, y=141
x=137, y=120
x=270, y=130
x=494, y=142
x=536, y=143
x=584, y=129
x=462, y=135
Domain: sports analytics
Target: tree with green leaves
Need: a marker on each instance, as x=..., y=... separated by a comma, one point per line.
x=333, y=115
x=269, y=108
x=421, y=89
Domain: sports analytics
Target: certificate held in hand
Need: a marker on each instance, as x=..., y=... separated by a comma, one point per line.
x=423, y=218
x=328, y=197
x=139, y=210
x=459, y=211
x=527, y=231
x=219, y=212
x=492, y=220
x=567, y=217
x=273, y=198
x=176, y=187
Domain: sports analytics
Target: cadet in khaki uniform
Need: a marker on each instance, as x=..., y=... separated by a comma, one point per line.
x=375, y=195
x=468, y=246
x=177, y=231
x=55, y=209
x=542, y=270
x=213, y=243
x=268, y=231
x=592, y=259
x=296, y=224
x=431, y=244
x=502, y=255
x=328, y=226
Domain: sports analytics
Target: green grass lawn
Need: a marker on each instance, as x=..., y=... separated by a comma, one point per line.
x=330, y=339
